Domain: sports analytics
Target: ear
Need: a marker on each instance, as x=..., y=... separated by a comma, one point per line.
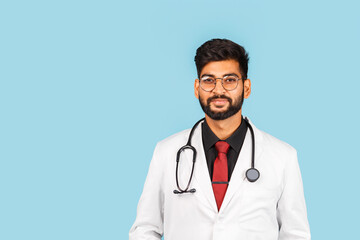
x=196, y=88
x=247, y=88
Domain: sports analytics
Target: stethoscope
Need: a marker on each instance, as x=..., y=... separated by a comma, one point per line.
x=252, y=174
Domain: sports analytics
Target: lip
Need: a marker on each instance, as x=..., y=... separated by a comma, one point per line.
x=219, y=101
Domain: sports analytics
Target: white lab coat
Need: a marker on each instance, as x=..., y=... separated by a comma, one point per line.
x=272, y=208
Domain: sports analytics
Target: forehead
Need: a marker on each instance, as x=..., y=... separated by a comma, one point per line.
x=220, y=68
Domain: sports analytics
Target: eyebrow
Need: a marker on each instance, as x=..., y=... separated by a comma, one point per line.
x=225, y=75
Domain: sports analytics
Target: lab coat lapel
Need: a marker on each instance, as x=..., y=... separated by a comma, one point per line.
x=243, y=163
x=204, y=189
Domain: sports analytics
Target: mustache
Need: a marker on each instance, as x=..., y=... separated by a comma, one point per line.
x=218, y=96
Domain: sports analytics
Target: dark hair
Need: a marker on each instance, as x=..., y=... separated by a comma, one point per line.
x=219, y=50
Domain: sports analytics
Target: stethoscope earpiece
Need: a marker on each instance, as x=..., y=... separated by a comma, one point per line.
x=185, y=191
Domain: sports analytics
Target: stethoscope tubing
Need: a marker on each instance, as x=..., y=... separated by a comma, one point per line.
x=252, y=174
x=187, y=146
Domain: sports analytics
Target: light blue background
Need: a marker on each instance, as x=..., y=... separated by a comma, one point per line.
x=88, y=87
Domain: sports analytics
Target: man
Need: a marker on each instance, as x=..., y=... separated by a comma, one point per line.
x=222, y=201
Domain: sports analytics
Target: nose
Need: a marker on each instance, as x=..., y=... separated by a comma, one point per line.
x=219, y=89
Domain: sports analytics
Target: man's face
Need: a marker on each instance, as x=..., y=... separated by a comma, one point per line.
x=220, y=104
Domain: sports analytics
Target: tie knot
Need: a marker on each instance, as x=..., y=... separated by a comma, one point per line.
x=222, y=147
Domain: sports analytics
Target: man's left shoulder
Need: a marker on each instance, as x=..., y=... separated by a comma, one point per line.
x=273, y=144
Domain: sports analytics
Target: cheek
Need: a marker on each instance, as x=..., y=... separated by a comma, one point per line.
x=202, y=97
x=237, y=98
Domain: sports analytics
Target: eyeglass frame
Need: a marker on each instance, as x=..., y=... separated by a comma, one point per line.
x=222, y=84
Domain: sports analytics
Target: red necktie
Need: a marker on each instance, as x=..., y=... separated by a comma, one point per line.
x=220, y=173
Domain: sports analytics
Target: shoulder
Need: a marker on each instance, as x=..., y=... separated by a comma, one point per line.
x=275, y=145
x=176, y=137
x=174, y=141
x=167, y=148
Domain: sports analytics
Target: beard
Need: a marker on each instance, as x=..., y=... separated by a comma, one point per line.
x=230, y=111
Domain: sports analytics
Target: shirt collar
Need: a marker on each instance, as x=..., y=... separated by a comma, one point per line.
x=209, y=138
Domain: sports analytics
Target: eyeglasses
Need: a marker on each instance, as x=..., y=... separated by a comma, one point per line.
x=229, y=83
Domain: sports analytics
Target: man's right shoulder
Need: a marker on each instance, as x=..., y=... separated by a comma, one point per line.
x=168, y=147
x=175, y=140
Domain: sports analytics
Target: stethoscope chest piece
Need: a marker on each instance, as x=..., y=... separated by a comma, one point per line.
x=252, y=174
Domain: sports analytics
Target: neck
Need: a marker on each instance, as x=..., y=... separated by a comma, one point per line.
x=224, y=128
